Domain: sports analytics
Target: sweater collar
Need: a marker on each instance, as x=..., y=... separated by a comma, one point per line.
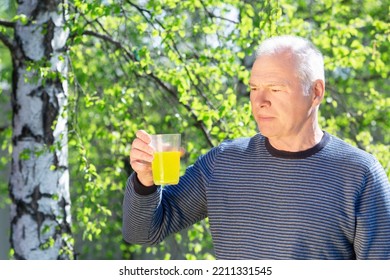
x=298, y=155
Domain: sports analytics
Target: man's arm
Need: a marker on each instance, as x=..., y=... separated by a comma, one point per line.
x=152, y=213
x=372, y=239
x=138, y=210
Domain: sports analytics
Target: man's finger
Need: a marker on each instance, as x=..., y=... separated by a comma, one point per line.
x=144, y=136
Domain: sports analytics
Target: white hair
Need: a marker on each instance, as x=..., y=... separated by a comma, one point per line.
x=310, y=62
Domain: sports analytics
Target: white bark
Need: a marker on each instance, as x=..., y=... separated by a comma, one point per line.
x=39, y=182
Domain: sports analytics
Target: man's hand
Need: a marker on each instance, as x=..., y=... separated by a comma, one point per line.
x=141, y=157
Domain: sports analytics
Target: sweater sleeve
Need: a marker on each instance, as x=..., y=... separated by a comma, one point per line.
x=151, y=214
x=372, y=238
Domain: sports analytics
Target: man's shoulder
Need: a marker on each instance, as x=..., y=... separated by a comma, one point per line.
x=342, y=150
x=230, y=150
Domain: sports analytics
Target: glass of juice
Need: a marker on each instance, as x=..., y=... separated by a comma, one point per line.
x=166, y=162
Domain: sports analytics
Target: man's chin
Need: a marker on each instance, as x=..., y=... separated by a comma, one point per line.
x=266, y=131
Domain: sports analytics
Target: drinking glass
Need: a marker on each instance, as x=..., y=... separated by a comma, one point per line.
x=166, y=162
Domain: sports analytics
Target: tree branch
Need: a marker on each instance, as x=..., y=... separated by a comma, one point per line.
x=108, y=39
x=5, y=23
x=10, y=44
x=7, y=41
x=198, y=123
x=143, y=11
x=174, y=47
x=212, y=15
x=171, y=91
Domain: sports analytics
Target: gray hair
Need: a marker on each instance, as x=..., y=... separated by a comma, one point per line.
x=310, y=62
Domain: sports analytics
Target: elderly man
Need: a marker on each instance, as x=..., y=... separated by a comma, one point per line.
x=292, y=191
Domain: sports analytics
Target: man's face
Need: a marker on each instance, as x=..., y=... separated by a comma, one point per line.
x=279, y=104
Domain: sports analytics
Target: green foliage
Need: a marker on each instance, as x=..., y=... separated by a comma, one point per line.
x=183, y=66
x=5, y=115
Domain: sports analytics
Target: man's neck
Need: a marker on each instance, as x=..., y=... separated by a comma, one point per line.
x=300, y=142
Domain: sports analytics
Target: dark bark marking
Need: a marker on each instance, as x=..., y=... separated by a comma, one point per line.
x=49, y=116
x=26, y=133
x=49, y=35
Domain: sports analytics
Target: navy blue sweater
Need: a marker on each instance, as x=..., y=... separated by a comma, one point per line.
x=329, y=202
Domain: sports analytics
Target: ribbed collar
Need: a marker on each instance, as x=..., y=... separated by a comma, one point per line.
x=298, y=155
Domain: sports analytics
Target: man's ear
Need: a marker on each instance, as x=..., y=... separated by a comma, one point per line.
x=318, y=92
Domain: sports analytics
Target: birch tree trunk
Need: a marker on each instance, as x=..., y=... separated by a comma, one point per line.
x=39, y=181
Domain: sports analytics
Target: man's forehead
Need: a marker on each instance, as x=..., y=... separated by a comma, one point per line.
x=273, y=82
x=268, y=78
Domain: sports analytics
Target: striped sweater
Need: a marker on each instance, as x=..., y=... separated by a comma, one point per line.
x=329, y=202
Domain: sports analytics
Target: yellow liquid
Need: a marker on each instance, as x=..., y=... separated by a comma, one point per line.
x=166, y=168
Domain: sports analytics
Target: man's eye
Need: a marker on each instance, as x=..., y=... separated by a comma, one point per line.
x=275, y=90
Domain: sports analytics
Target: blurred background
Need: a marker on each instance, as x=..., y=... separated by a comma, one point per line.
x=178, y=66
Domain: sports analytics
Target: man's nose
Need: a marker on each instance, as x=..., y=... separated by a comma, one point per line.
x=260, y=98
